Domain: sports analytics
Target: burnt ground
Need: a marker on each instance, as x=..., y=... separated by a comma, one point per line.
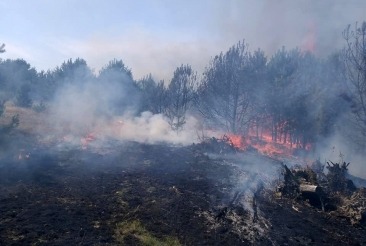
x=61, y=196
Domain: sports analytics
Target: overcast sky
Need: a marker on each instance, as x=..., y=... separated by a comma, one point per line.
x=156, y=36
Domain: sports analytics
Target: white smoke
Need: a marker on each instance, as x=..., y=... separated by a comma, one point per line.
x=152, y=128
x=86, y=109
x=339, y=148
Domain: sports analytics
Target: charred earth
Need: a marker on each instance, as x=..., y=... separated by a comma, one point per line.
x=129, y=193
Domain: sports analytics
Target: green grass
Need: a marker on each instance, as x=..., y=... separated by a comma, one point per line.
x=135, y=228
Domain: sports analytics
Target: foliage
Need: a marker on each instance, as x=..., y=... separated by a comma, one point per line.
x=241, y=90
x=294, y=95
x=13, y=75
x=135, y=229
x=154, y=95
x=180, y=95
x=23, y=96
x=116, y=70
x=4, y=130
x=224, y=97
x=72, y=72
x=44, y=89
x=118, y=81
x=286, y=107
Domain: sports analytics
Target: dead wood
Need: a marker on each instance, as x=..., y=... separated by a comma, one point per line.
x=310, y=188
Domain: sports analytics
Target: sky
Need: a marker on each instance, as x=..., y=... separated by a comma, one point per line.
x=157, y=36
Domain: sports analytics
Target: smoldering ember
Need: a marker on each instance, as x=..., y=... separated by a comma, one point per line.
x=259, y=149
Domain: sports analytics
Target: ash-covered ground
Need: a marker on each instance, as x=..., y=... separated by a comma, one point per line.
x=129, y=193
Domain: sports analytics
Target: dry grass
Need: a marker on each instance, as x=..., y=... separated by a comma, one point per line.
x=29, y=120
x=135, y=228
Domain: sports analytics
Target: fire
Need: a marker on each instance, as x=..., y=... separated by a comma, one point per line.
x=264, y=144
x=237, y=141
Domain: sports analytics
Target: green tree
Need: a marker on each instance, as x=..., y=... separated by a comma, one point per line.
x=23, y=97
x=123, y=90
x=45, y=86
x=14, y=74
x=72, y=71
x=15, y=119
x=154, y=95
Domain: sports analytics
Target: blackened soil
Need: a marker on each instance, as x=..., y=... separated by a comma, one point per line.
x=293, y=223
x=77, y=197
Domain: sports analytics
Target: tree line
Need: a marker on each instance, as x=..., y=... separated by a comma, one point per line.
x=292, y=94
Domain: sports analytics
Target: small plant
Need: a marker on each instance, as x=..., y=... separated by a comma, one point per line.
x=41, y=107
x=135, y=229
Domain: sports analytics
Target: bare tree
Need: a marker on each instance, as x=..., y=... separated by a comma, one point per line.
x=355, y=61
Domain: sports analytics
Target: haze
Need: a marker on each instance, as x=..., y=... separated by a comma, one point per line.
x=157, y=36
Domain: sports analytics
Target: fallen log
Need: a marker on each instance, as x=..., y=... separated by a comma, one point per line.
x=310, y=188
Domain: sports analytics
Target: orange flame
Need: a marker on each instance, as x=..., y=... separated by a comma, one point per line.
x=264, y=144
x=237, y=141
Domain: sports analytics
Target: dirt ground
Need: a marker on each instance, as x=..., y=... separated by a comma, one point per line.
x=52, y=195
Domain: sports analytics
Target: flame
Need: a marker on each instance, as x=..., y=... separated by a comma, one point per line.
x=237, y=141
x=264, y=144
